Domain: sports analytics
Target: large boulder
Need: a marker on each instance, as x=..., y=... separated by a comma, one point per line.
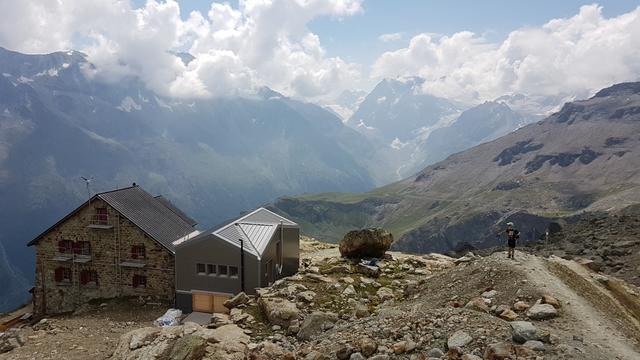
x=366, y=243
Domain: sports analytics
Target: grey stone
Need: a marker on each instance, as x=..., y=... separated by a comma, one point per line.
x=542, y=312
x=522, y=331
x=458, y=339
x=316, y=323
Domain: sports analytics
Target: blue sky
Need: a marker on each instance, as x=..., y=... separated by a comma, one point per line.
x=355, y=38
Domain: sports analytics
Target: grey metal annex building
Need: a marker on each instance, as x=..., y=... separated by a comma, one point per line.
x=247, y=253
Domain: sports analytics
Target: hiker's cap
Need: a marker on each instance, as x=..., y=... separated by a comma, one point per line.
x=509, y=224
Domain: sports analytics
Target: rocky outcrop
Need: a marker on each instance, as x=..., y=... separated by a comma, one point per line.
x=367, y=243
x=316, y=323
x=184, y=342
x=278, y=311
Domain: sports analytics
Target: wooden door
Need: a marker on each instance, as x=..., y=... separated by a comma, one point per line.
x=208, y=303
x=218, y=304
x=202, y=302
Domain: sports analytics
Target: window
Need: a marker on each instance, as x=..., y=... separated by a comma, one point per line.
x=139, y=281
x=138, y=252
x=89, y=278
x=211, y=270
x=82, y=248
x=63, y=275
x=65, y=246
x=233, y=271
x=223, y=270
x=200, y=269
x=102, y=216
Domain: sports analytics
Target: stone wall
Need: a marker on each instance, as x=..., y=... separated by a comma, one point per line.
x=109, y=249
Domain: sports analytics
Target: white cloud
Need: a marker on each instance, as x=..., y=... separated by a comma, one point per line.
x=260, y=43
x=390, y=37
x=573, y=56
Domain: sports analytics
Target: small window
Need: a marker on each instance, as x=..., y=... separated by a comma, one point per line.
x=63, y=275
x=138, y=252
x=200, y=269
x=223, y=270
x=211, y=270
x=65, y=246
x=102, y=216
x=89, y=278
x=82, y=248
x=233, y=271
x=139, y=281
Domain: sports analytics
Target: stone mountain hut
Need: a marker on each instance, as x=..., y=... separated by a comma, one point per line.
x=118, y=243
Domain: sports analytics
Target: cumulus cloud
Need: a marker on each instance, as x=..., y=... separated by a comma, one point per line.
x=390, y=37
x=259, y=43
x=572, y=56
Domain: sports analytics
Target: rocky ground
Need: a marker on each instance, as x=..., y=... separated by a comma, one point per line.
x=405, y=307
x=607, y=242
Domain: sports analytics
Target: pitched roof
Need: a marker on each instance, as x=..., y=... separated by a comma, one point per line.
x=255, y=229
x=176, y=210
x=151, y=215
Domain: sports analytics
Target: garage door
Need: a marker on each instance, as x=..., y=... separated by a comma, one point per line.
x=209, y=303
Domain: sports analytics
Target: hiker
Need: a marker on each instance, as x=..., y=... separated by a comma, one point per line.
x=512, y=236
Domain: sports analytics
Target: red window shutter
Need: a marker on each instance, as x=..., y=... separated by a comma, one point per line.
x=134, y=253
x=59, y=274
x=77, y=247
x=61, y=244
x=84, y=277
x=135, y=280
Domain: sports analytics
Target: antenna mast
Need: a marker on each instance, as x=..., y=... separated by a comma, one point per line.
x=88, y=182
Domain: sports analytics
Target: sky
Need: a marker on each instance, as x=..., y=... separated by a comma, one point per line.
x=466, y=50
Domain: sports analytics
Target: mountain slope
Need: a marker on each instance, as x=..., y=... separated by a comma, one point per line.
x=474, y=126
x=585, y=157
x=213, y=157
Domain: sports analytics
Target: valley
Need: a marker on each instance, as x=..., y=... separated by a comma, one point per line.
x=581, y=159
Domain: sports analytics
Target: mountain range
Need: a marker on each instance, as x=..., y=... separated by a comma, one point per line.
x=414, y=129
x=220, y=156
x=583, y=158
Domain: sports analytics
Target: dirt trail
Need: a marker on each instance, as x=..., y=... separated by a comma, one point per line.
x=599, y=318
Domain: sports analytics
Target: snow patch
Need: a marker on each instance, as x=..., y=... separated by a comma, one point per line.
x=51, y=72
x=397, y=144
x=361, y=124
x=162, y=103
x=24, y=80
x=128, y=104
x=381, y=99
x=6, y=75
x=65, y=65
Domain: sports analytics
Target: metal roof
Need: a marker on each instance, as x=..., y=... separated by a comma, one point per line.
x=255, y=229
x=149, y=214
x=265, y=216
x=152, y=215
x=176, y=210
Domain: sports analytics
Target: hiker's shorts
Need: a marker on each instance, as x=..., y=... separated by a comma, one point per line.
x=512, y=243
